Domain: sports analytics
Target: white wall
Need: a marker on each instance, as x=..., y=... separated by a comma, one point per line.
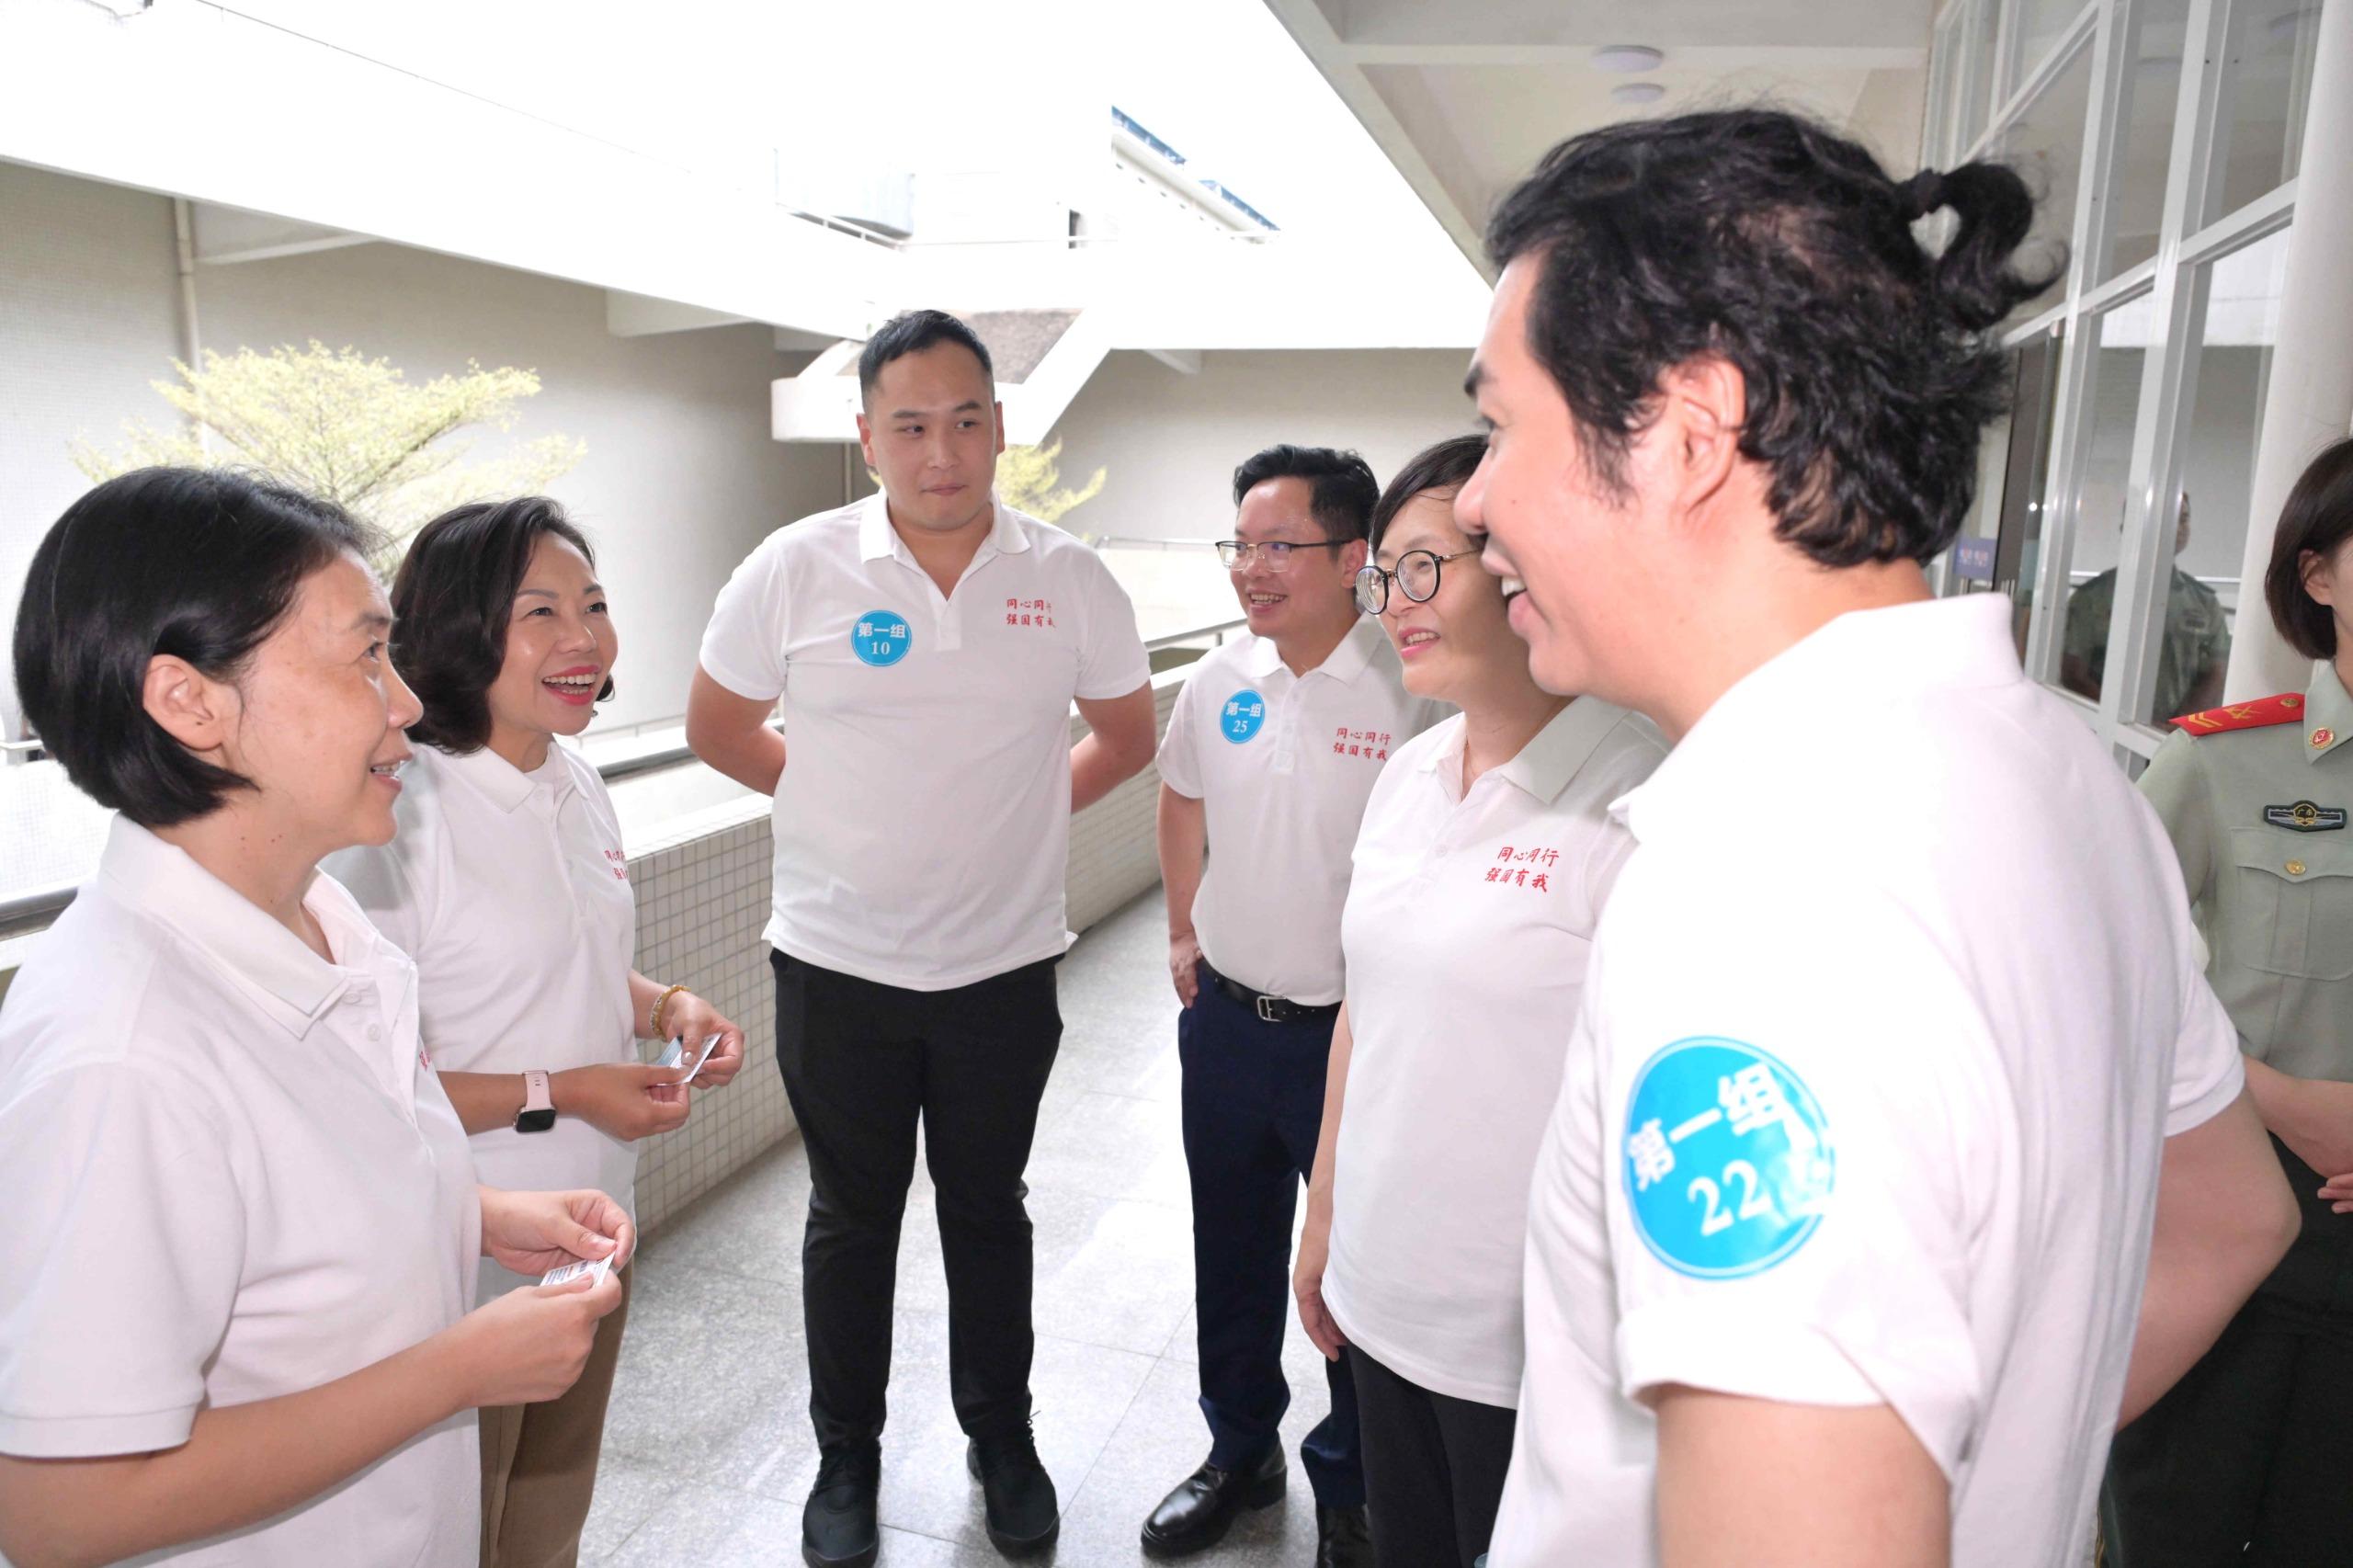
x=681, y=478
x=1171, y=441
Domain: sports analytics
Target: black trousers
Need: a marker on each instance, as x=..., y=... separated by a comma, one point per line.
x=861, y=1062
x=1252, y=1107
x=2242, y=1462
x=1434, y=1468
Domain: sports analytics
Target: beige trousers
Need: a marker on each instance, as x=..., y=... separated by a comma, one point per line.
x=538, y=1461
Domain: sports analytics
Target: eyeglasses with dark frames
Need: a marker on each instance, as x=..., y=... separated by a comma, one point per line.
x=1415, y=575
x=1233, y=553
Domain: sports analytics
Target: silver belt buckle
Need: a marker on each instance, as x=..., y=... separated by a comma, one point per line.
x=1265, y=1005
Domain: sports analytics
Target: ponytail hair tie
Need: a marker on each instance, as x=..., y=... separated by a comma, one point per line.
x=1922, y=194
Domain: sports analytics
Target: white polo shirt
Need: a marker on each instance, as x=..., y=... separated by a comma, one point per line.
x=1467, y=930
x=923, y=819
x=231, y=1175
x=1285, y=763
x=510, y=892
x=1890, y=1014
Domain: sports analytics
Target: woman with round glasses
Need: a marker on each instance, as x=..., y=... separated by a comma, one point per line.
x=1480, y=871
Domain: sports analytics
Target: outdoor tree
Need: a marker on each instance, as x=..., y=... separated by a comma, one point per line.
x=1028, y=480
x=352, y=429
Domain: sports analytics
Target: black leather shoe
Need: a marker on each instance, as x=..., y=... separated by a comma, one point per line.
x=1343, y=1537
x=837, y=1529
x=1201, y=1509
x=1023, y=1514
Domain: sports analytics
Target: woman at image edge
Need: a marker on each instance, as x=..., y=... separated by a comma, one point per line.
x=1480, y=871
x=238, y=1249
x=506, y=885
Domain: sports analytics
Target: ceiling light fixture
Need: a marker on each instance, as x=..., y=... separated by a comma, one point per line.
x=1627, y=59
x=1637, y=93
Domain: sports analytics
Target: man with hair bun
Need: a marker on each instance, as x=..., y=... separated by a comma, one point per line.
x=1894, y=1050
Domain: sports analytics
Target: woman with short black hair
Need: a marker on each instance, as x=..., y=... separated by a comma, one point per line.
x=2257, y=797
x=237, y=1254
x=508, y=885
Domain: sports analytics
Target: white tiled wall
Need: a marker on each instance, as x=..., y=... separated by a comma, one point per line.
x=702, y=899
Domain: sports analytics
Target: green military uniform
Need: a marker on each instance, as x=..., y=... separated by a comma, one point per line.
x=2249, y=1447
x=2197, y=637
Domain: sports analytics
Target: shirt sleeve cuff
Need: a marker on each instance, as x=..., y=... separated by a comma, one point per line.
x=1786, y=1361
x=92, y=1437
x=1132, y=672
x=2211, y=1101
x=734, y=680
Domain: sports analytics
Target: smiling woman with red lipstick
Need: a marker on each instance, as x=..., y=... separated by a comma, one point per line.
x=1481, y=867
x=508, y=884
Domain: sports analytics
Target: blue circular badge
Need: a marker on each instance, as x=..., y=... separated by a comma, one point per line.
x=1728, y=1160
x=881, y=637
x=1245, y=715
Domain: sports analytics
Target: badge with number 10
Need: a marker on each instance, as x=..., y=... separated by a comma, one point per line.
x=1728, y=1161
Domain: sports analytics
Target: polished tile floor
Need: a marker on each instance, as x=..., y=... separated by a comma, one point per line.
x=707, y=1453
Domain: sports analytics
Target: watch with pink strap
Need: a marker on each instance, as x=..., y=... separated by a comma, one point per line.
x=539, y=1106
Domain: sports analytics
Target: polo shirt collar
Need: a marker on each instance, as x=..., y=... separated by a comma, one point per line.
x=878, y=540
x=1834, y=675
x=1542, y=767
x=293, y=984
x=1348, y=658
x=505, y=785
x=2328, y=712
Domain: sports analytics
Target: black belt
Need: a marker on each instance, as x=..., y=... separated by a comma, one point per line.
x=1270, y=1009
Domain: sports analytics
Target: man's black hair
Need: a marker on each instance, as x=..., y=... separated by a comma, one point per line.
x=1344, y=490
x=912, y=332
x=1783, y=247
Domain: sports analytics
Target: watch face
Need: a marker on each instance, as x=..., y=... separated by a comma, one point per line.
x=535, y=1120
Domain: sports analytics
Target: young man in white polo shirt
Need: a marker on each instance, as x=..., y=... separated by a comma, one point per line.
x=1894, y=1050
x=927, y=645
x=1270, y=754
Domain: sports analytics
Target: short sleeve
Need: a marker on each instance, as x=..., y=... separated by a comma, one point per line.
x=1179, y=758
x=1113, y=661
x=120, y=1248
x=742, y=648
x=2208, y=1069
x=2089, y=610
x=1802, y=1131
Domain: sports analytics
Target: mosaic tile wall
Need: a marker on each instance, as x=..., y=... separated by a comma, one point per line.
x=702, y=899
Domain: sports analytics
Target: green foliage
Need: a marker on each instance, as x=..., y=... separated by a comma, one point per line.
x=1028, y=480
x=352, y=429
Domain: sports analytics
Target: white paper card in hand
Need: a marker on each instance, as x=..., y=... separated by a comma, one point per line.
x=597, y=1268
x=675, y=1055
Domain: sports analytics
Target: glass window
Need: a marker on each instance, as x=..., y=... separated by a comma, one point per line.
x=2233, y=371
x=1976, y=76
x=2046, y=145
x=1974, y=550
x=2040, y=24
x=2266, y=70
x=2144, y=141
x=2118, y=343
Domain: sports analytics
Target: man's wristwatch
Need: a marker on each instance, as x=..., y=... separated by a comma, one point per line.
x=539, y=1108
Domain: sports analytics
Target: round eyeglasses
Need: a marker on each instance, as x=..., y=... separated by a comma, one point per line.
x=1415, y=575
x=1275, y=553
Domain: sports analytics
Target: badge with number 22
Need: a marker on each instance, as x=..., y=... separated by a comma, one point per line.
x=1728, y=1161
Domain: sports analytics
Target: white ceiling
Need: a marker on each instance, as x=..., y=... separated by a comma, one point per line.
x=1465, y=97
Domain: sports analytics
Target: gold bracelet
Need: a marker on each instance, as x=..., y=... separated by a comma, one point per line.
x=660, y=1003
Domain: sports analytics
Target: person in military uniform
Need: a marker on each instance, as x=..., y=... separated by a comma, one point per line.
x=2197, y=643
x=2241, y=1461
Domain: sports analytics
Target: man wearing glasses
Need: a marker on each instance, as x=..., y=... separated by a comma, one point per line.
x=1271, y=753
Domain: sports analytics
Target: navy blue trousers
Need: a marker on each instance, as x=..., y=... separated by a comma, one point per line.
x=1253, y=1104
